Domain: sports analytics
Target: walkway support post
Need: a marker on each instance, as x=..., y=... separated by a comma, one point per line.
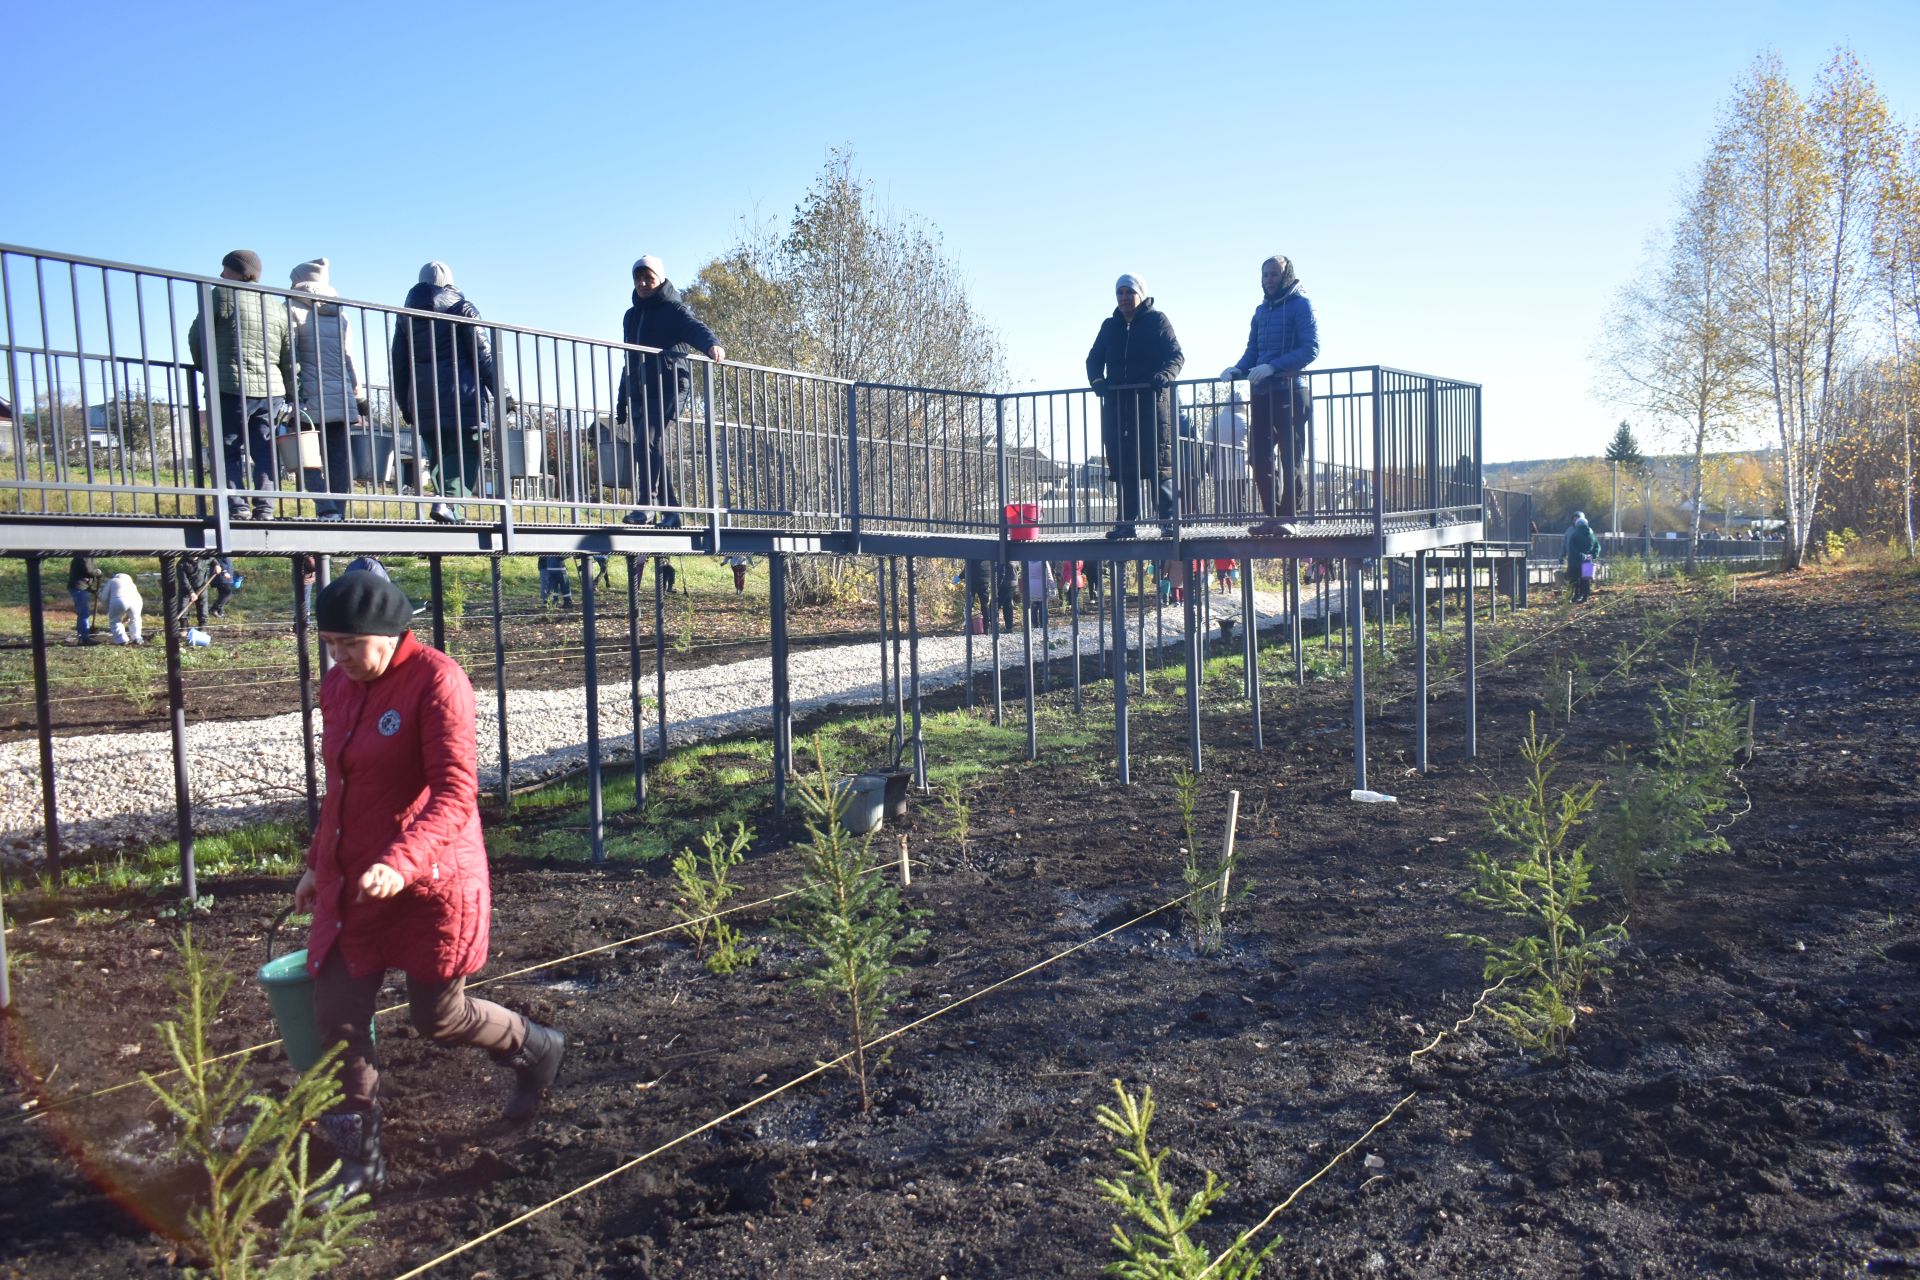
x=437, y=587
x=1473, y=684
x=322, y=578
x=1073, y=627
x=1298, y=633
x=304, y=661
x=43, y=710
x=177, y=723
x=1118, y=599
x=782, y=713
x=913, y=656
x=1026, y=642
x=500, y=683
x=660, y=653
x=1420, y=660
x=1250, y=621
x=636, y=704
x=590, y=641
x=1356, y=629
x=1196, y=654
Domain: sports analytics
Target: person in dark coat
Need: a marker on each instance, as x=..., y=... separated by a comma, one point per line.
x=83, y=583
x=653, y=382
x=1135, y=358
x=1282, y=340
x=397, y=871
x=443, y=379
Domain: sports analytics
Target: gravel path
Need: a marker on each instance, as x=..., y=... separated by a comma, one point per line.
x=118, y=788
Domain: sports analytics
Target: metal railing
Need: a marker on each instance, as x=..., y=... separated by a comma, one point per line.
x=1552, y=547
x=319, y=407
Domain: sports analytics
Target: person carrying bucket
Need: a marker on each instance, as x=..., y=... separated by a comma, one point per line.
x=1583, y=548
x=397, y=873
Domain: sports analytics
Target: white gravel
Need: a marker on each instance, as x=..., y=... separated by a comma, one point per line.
x=118, y=788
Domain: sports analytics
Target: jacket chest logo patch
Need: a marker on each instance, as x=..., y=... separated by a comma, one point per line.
x=389, y=723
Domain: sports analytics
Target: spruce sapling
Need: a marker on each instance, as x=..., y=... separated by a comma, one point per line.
x=1165, y=1248
x=704, y=894
x=853, y=919
x=267, y=1165
x=1542, y=881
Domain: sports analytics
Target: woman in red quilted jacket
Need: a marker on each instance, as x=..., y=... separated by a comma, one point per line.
x=397, y=873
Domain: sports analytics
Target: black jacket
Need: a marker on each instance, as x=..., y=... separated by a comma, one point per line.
x=83, y=574
x=442, y=370
x=661, y=378
x=1141, y=354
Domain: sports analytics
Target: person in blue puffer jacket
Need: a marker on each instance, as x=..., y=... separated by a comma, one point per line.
x=443, y=377
x=1282, y=341
x=654, y=381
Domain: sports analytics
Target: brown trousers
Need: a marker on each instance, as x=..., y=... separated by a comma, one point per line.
x=442, y=1011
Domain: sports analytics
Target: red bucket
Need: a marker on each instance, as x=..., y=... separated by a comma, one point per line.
x=1022, y=521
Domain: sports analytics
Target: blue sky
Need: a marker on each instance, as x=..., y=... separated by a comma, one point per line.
x=1463, y=187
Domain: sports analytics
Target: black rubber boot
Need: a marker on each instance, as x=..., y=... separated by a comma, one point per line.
x=355, y=1136
x=534, y=1067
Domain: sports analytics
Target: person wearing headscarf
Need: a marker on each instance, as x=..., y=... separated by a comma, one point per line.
x=1582, y=545
x=1282, y=340
x=397, y=872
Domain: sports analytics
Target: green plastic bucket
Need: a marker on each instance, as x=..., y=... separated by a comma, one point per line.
x=289, y=991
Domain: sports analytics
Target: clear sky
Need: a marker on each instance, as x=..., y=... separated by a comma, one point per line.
x=1463, y=187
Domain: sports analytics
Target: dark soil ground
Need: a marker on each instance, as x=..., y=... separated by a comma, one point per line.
x=1740, y=1101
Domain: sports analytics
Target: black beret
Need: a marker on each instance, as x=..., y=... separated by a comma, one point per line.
x=363, y=604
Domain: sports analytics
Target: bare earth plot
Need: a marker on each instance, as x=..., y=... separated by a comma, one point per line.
x=1741, y=1100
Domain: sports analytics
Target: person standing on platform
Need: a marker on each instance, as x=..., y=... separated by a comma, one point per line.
x=1134, y=360
x=1282, y=340
x=654, y=382
x=397, y=871
x=253, y=345
x=443, y=380
x=327, y=385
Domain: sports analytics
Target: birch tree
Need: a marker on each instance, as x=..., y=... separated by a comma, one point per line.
x=1803, y=186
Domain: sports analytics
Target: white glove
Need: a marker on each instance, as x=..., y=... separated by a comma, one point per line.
x=1260, y=373
x=1230, y=373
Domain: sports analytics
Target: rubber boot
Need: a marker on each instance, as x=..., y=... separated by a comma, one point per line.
x=535, y=1065
x=355, y=1136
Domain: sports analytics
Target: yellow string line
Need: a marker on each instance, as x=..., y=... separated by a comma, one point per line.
x=1472, y=1013
x=818, y=1069
x=1260, y=1226
x=58, y=1104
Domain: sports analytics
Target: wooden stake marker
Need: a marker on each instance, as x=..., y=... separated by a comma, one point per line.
x=1226, y=852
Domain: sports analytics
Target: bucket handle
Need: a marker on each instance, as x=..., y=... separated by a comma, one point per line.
x=273, y=930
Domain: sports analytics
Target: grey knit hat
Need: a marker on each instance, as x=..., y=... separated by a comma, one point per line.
x=1132, y=282
x=363, y=604
x=650, y=260
x=245, y=261
x=436, y=273
x=312, y=275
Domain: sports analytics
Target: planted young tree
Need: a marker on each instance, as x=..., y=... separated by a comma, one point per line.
x=959, y=811
x=705, y=886
x=1676, y=791
x=852, y=919
x=1164, y=1247
x=1207, y=885
x=265, y=1167
x=1543, y=880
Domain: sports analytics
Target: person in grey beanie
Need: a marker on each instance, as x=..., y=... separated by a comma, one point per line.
x=1134, y=360
x=327, y=385
x=653, y=383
